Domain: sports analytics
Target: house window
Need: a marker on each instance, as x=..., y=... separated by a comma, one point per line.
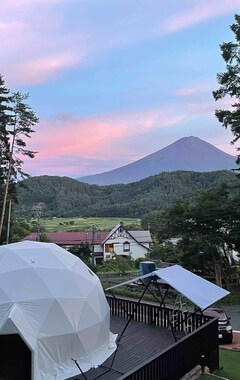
x=108, y=247
x=108, y=257
x=126, y=246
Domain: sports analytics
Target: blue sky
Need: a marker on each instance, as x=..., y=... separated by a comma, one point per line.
x=115, y=80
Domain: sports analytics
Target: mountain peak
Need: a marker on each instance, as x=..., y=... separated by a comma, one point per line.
x=188, y=153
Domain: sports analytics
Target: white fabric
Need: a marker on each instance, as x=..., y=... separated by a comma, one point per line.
x=201, y=292
x=57, y=305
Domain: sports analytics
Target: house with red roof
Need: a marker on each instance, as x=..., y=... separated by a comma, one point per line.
x=105, y=245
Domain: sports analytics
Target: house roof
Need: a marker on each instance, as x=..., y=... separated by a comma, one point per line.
x=140, y=236
x=100, y=237
x=71, y=238
x=113, y=230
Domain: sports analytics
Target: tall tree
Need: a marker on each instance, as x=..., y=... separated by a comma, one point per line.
x=230, y=84
x=5, y=109
x=209, y=227
x=18, y=121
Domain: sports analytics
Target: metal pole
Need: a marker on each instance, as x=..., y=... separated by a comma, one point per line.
x=93, y=242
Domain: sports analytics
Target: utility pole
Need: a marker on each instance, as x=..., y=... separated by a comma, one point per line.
x=37, y=211
x=94, y=229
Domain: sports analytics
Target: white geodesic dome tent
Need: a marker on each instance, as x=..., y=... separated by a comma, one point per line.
x=57, y=305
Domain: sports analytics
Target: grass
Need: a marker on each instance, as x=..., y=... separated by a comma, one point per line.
x=229, y=362
x=232, y=299
x=85, y=224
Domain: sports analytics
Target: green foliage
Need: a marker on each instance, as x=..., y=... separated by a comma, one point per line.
x=85, y=224
x=19, y=229
x=209, y=227
x=165, y=252
x=43, y=237
x=83, y=252
x=232, y=298
x=118, y=265
x=230, y=83
x=137, y=262
x=66, y=197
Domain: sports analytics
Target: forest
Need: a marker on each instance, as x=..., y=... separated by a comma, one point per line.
x=57, y=196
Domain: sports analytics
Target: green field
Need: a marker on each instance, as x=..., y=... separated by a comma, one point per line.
x=85, y=224
x=229, y=362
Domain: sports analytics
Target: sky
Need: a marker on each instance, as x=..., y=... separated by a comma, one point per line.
x=113, y=81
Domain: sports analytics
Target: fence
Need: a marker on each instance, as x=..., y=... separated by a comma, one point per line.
x=183, y=355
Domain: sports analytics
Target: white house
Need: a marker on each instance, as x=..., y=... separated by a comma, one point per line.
x=122, y=242
x=104, y=244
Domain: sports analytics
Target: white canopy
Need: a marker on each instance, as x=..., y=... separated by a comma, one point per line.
x=57, y=305
x=201, y=292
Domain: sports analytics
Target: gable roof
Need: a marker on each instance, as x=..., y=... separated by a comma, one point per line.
x=100, y=237
x=140, y=237
x=71, y=238
x=113, y=230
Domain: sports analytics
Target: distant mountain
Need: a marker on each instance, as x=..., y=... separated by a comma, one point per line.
x=188, y=153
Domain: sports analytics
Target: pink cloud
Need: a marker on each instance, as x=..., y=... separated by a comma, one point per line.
x=94, y=132
x=85, y=141
x=34, y=51
x=69, y=145
x=228, y=148
x=41, y=70
x=200, y=12
x=189, y=91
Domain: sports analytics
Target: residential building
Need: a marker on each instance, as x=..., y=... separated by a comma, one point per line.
x=105, y=245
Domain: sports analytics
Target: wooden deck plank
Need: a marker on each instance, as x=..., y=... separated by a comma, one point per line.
x=139, y=342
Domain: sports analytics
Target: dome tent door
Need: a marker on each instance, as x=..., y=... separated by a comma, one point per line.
x=15, y=358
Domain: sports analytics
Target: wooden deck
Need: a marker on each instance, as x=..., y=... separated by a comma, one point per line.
x=140, y=342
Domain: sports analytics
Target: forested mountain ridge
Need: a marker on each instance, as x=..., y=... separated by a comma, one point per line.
x=63, y=196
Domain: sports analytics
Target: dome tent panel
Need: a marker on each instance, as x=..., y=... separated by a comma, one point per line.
x=90, y=344
x=56, y=321
x=72, y=286
x=90, y=317
x=43, y=255
x=62, y=365
x=3, y=297
x=23, y=284
x=9, y=263
x=95, y=298
x=72, y=308
x=35, y=311
x=56, y=334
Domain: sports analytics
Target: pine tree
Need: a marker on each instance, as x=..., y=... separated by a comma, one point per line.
x=16, y=122
x=230, y=83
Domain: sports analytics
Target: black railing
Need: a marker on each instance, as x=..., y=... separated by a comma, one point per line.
x=152, y=313
x=182, y=356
